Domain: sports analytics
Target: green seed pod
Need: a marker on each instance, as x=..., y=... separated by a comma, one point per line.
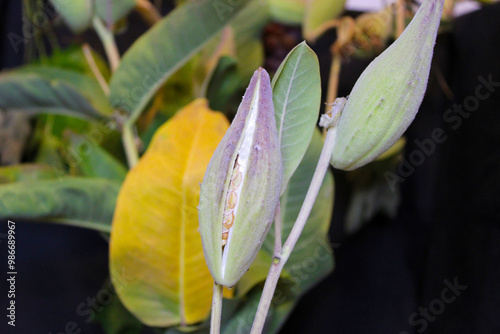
x=241, y=187
x=386, y=97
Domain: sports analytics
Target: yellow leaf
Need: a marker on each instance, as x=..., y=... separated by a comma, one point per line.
x=156, y=256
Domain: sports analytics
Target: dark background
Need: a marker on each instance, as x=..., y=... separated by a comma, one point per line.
x=447, y=227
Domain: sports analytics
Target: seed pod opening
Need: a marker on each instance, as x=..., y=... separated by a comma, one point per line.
x=241, y=187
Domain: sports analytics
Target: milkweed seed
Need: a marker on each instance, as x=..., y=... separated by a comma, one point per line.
x=232, y=199
x=228, y=220
x=236, y=179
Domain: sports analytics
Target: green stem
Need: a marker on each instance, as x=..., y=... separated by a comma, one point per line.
x=277, y=229
x=108, y=40
x=87, y=53
x=281, y=258
x=130, y=145
x=216, y=309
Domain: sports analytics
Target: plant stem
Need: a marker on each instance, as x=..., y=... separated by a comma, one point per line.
x=277, y=230
x=400, y=17
x=130, y=145
x=333, y=81
x=280, y=261
x=216, y=309
x=87, y=52
x=148, y=11
x=313, y=35
x=108, y=40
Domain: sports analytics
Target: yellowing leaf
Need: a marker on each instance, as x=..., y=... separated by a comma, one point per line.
x=157, y=262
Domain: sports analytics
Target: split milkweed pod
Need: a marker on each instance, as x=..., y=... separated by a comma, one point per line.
x=241, y=186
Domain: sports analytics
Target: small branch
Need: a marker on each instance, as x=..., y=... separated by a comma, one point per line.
x=277, y=231
x=279, y=262
x=148, y=11
x=442, y=82
x=216, y=309
x=158, y=4
x=267, y=296
x=333, y=81
x=87, y=52
x=400, y=18
x=312, y=193
x=108, y=40
x=147, y=117
x=312, y=36
x=225, y=46
x=130, y=145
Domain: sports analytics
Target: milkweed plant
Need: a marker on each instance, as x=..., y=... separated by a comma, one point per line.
x=205, y=217
x=245, y=171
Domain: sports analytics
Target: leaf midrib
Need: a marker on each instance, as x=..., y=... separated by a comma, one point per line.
x=282, y=120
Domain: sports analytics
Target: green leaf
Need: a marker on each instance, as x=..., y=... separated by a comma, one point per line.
x=279, y=313
x=371, y=191
x=93, y=161
x=178, y=90
x=242, y=320
x=26, y=172
x=367, y=202
x=49, y=154
x=84, y=202
x=85, y=84
x=287, y=11
x=248, y=26
x=117, y=9
x=115, y=318
x=77, y=14
x=34, y=93
x=296, y=95
x=73, y=59
x=176, y=93
x=256, y=274
x=224, y=84
x=311, y=258
x=317, y=13
x=165, y=48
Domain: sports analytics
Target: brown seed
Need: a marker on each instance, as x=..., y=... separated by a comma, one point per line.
x=228, y=220
x=236, y=179
x=232, y=199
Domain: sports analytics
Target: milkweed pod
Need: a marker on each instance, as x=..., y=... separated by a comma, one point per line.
x=241, y=187
x=387, y=95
